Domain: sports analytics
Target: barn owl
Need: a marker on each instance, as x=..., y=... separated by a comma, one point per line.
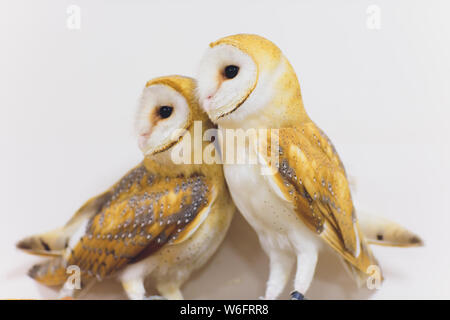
x=246, y=83
x=161, y=220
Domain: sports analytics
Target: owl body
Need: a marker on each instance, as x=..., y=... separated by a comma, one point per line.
x=162, y=220
x=260, y=203
x=245, y=82
x=171, y=265
x=280, y=231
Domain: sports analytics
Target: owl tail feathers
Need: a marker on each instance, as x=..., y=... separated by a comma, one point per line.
x=51, y=243
x=381, y=231
x=50, y=273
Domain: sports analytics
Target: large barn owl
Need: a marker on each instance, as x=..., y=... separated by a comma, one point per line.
x=245, y=82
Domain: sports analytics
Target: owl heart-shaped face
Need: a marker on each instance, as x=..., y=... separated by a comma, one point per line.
x=226, y=78
x=162, y=115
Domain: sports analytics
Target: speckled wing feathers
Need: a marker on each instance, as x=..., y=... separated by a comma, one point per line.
x=142, y=213
x=312, y=177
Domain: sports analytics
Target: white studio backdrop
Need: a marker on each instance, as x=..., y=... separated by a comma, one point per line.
x=374, y=76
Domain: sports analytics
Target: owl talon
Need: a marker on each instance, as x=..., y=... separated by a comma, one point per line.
x=295, y=295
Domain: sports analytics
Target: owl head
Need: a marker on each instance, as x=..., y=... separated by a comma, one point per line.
x=167, y=110
x=240, y=74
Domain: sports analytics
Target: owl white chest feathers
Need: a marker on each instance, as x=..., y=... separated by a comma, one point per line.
x=265, y=208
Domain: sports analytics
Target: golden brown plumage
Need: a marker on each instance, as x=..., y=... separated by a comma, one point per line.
x=167, y=218
x=142, y=212
x=312, y=177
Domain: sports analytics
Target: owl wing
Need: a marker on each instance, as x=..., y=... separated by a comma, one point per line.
x=311, y=176
x=143, y=213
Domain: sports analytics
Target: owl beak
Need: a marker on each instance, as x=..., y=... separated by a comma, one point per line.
x=207, y=103
x=142, y=140
x=216, y=113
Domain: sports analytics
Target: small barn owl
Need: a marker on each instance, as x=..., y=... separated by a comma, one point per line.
x=161, y=220
x=245, y=82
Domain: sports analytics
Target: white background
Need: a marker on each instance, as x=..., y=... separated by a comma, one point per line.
x=67, y=99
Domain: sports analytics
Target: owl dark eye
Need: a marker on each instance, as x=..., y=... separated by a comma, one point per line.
x=165, y=111
x=231, y=71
